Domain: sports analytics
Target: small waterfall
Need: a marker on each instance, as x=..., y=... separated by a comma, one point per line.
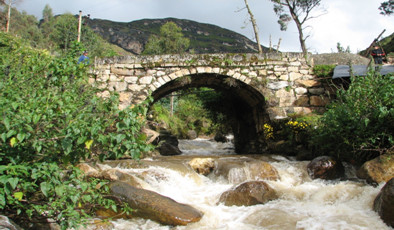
x=303, y=203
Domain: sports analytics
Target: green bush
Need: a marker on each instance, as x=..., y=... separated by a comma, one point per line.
x=323, y=71
x=50, y=117
x=359, y=124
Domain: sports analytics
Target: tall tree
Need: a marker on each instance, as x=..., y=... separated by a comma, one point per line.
x=255, y=28
x=387, y=7
x=300, y=11
x=9, y=4
x=47, y=13
x=169, y=41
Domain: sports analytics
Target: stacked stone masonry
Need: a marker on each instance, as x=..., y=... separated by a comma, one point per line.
x=285, y=80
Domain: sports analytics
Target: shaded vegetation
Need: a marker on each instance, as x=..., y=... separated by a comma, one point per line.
x=194, y=109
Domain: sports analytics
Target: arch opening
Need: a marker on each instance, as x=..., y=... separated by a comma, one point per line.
x=243, y=105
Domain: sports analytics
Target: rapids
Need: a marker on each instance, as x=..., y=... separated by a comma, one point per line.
x=303, y=203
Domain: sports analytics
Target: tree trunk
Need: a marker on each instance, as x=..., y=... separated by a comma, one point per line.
x=255, y=28
x=300, y=31
x=8, y=17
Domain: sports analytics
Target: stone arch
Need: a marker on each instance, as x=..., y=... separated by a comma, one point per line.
x=244, y=103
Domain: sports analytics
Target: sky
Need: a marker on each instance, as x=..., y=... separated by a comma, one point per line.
x=352, y=23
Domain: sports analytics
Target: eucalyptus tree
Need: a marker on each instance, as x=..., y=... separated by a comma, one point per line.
x=170, y=41
x=299, y=11
x=254, y=24
x=9, y=4
x=387, y=7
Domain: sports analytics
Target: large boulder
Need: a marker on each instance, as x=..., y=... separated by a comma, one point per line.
x=88, y=170
x=239, y=170
x=248, y=193
x=325, y=167
x=167, y=144
x=378, y=170
x=6, y=223
x=149, y=204
x=384, y=203
x=202, y=166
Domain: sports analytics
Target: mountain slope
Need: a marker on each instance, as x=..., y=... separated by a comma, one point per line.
x=204, y=38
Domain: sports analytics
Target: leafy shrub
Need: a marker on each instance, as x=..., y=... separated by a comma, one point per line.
x=44, y=190
x=50, y=113
x=359, y=124
x=50, y=117
x=323, y=71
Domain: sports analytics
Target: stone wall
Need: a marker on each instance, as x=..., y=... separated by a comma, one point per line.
x=285, y=80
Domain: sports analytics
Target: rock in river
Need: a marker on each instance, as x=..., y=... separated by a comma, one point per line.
x=325, y=167
x=151, y=205
x=248, y=193
x=384, y=203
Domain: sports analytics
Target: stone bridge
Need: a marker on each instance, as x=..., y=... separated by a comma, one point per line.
x=258, y=88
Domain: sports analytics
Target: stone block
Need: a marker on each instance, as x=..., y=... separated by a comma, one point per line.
x=294, y=76
x=123, y=72
x=278, y=85
x=125, y=97
x=131, y=80
x=120, y=86
x=135, y=87
x=319, y=101
x=300, y=90
x=301, y=101
x=316, y=91
x=308, y=83
x=146, y=80
x=284, y=77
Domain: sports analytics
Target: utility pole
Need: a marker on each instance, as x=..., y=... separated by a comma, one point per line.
x=79, y=26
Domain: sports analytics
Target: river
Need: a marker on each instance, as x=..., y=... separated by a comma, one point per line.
x=303, y=204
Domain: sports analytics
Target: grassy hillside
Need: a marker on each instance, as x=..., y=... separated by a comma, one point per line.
x=204, y=38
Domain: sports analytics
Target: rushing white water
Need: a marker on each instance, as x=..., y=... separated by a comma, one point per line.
x=303, y=203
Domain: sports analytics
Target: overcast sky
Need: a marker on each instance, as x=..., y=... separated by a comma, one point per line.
x=353, y=23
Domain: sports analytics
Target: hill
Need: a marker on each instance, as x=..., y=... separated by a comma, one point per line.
x=204, y=38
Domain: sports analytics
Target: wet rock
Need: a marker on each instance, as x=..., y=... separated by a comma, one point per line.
x=117, y=175
x=380, y=169
x=220, y=137
x=384, y=203
x=240, y=169
x=249, y=193
x=167, y=144
x=202, y=166
x=191, y=134
x=6, y=223
x=325, y=167
x=166, y=149
x=98, y=225
x=149, y=204
x=88, y=170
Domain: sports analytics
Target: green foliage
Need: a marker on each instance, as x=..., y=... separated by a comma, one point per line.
x=50, y=112
x=340, y=49
x=197, y=109
x=44, y=190
x=188, y=114
x=323, y=71
x=51, y=116
x=360, y=124
x=170, y=41
x=387, y=7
